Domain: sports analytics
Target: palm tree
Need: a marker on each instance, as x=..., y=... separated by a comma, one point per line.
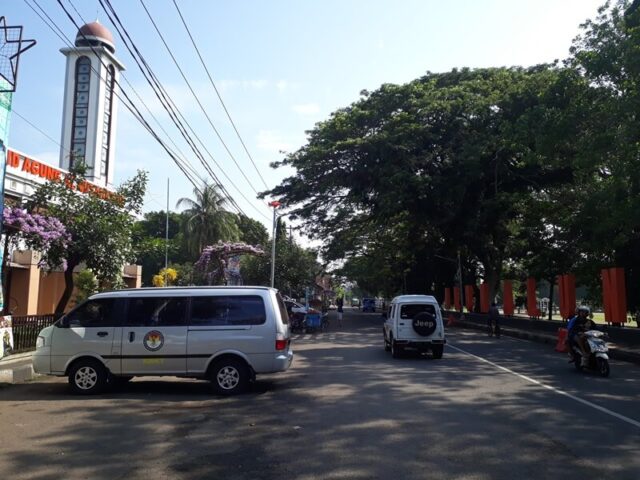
x=208, y=221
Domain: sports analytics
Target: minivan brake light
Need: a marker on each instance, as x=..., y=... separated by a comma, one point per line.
x=281, y=342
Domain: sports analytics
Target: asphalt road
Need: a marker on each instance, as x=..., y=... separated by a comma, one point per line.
x=490, y=409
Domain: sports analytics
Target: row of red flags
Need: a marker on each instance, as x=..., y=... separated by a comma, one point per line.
x=613, y=293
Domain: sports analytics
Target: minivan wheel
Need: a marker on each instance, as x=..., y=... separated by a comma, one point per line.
x=387, y=347
x=87, y=377
x=230, y=376
x=396, y=350
x=437, y=351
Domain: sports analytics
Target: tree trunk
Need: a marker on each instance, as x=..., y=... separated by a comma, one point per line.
x=4, y=277
x=68, y=290
x=552, y=283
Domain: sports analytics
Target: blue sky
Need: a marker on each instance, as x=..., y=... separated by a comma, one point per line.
x=281, y=66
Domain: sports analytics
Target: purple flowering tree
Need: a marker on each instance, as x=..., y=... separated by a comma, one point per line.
x=213, y=260
x=42, y=233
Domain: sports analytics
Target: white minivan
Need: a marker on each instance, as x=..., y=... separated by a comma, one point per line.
x=414, y=322
x=224, y=334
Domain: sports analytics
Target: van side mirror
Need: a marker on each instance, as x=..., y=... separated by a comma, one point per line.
x=63, y=322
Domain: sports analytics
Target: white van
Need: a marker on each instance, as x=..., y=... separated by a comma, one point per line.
x=224, y=334
x=414, y=322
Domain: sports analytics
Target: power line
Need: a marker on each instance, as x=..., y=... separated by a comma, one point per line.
x=13, y=111
x=130, y=106
x=165, y=99
x=184, y=157
x=195, y=45
x=60, y=34
x=204, y=111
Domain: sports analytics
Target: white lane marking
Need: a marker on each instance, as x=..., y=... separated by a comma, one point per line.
x=628, y=420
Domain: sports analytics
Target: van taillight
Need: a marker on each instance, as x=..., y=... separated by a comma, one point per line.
x=281, y=342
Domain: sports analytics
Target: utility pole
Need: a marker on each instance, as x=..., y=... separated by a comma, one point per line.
x=275, y=204
x=166, y=239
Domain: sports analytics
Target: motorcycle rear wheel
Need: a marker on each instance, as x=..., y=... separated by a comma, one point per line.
x=603, y=367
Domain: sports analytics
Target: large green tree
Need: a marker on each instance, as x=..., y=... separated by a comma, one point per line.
x=411, y=173
x=99, y=226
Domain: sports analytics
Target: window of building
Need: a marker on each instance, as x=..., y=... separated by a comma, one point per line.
x=80, y=110
x=106, y=122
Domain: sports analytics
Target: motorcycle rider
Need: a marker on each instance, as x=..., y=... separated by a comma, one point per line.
x=579, y=324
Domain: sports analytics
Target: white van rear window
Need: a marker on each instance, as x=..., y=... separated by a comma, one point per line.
x=228, y=310
x=410, y=311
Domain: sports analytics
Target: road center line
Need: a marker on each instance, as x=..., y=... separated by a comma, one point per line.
x=628, y=420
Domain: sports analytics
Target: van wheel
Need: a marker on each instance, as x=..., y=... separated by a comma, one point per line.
x=437, y=351
x=87, y=377
x=229, y=376
x=396, y=350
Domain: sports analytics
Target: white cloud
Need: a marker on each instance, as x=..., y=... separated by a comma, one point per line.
x=272, y=141
x=254, y=84
x=282, y=85
x=227, y=84
x=306, y=108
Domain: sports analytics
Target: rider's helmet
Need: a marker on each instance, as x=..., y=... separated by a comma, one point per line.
x=583, y=308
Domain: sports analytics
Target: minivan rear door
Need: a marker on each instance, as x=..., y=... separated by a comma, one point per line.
x=154, y=336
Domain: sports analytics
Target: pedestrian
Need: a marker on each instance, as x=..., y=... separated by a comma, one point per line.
x=493, y=320
x=340, y=303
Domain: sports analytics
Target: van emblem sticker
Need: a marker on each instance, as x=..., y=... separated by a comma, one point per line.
x=153, y=341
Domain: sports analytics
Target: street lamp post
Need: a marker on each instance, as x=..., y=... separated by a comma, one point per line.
x=275, y=204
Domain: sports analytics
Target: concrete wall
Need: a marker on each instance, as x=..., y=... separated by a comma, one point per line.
x=51, y=289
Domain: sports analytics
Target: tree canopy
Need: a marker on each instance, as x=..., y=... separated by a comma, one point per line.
x=530, y=170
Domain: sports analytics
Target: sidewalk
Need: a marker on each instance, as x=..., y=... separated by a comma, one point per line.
x=16, y=368
x=617, y=351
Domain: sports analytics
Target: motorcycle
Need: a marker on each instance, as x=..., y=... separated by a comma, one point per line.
x=296, y=322
x=598, y=357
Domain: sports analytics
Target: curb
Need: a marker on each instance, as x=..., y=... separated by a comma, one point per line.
x=20, y=374
x=614, y=352
x=16, y=356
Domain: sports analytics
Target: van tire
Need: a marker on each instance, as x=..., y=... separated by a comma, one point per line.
x=396, y=350
x=88, y=376
x=229, y=376
x=437, y=351
x=387, y=346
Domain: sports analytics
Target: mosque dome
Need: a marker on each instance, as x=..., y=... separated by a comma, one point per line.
x=95, y=34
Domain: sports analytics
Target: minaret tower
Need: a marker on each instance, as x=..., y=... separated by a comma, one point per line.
x=89, y=112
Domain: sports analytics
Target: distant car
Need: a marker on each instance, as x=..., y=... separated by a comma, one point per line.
x=355, y=302
x=369, y=305
x=333, y=307
x=414, y=322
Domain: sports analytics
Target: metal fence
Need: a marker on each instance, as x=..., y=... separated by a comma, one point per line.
x=26, y=329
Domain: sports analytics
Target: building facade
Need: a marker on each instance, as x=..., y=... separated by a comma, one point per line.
x=89, y=122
